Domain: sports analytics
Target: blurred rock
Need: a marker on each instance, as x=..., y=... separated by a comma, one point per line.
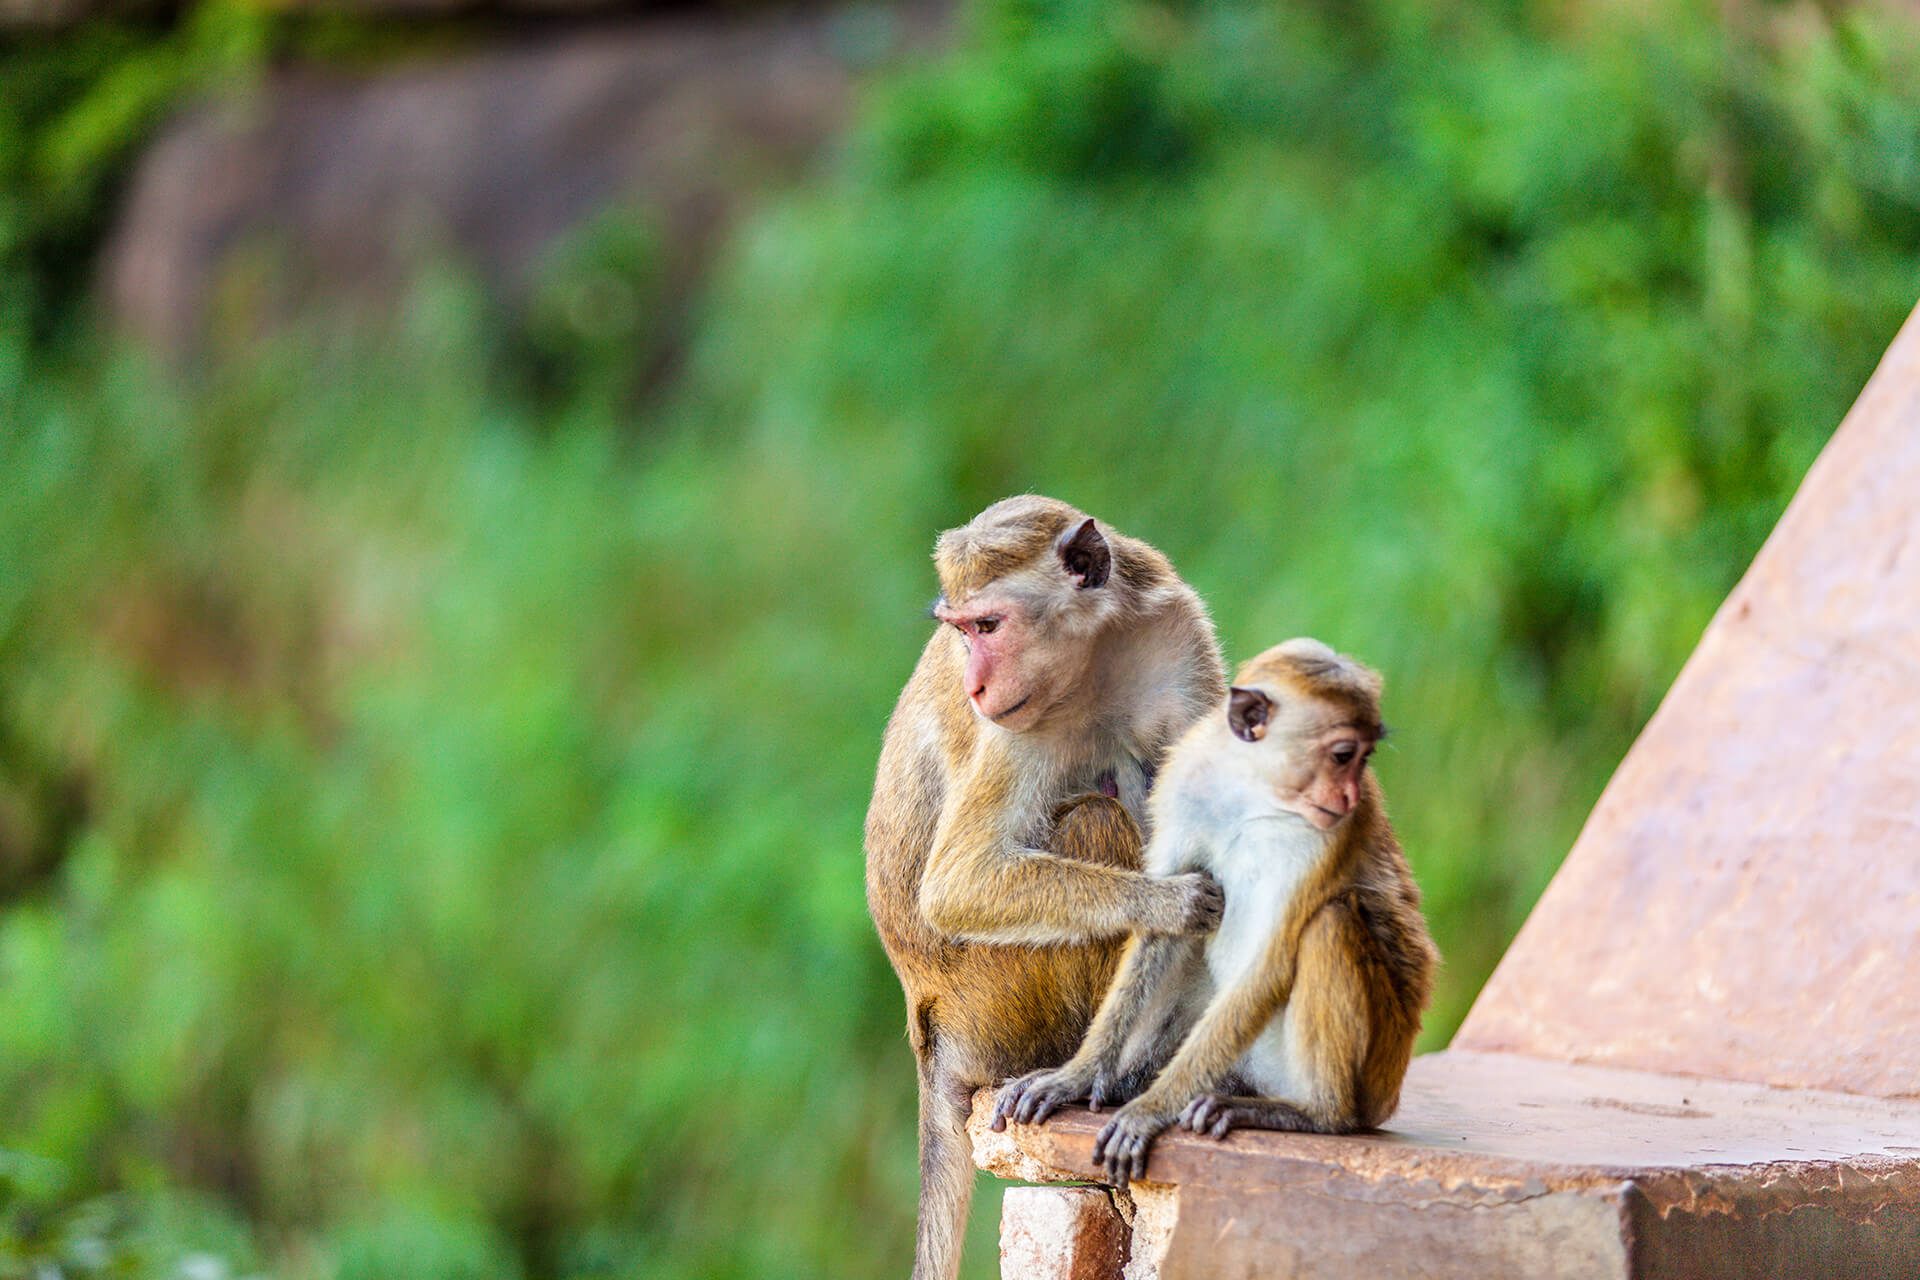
x=317, y=189
x=56, y=14
x=48, y=14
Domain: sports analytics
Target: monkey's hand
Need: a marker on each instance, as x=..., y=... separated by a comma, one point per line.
x=1031, y=1098
x=1210, y=1113
x=1190, y=903
x=1122, y=1147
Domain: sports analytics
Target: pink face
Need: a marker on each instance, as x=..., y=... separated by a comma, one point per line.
x=1322, y=758
x=995, y=678
x=1338, y=760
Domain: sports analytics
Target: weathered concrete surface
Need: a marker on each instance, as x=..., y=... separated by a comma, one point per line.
x=1061, y=1233
x=1499, y=1165
x=1745, y=900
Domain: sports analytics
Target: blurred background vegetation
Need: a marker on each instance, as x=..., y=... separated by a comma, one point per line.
x=434, y=735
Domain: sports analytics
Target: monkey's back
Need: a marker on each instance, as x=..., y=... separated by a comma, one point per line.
x=1387, y=903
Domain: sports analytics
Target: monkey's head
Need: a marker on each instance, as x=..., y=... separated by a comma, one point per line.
x=1315, y=714
x=1026, y=586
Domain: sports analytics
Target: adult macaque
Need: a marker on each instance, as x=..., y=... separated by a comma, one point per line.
x=1300, y=1013
x=1003, y=843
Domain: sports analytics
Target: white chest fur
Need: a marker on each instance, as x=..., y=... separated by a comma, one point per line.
x=1217, y=812
x=1261, y=868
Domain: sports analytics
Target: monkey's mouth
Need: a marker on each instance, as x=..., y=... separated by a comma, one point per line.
x=1002, y=714
x=1324, y=818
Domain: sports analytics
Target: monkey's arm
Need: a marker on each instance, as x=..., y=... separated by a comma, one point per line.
x=1145, y=1014
x=1232, y=1021
x=1141, y=999
x=982, y=885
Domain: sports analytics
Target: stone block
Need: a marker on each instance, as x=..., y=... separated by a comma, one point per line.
x=1061, y=1233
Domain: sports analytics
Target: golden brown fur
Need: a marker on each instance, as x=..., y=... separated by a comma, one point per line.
x=1002, y=883
x=1007, y=537
x=1347, y=961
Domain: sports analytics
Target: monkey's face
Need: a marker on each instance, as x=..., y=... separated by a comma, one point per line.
x=1029, y=631
x=1314, y=753
x=1019, y=660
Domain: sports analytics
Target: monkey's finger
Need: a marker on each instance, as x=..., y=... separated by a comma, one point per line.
x=1117, y=1157
x=1214, y=896
x=1048, y=1104
x=1100, y=1142
x=1140, y=1146
x=1224, y=1123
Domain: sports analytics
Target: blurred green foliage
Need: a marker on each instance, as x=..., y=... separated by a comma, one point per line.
x=73, y=105
x=430, y=801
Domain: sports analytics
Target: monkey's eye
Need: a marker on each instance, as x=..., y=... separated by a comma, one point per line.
x=987, y=626
x=1344, y=752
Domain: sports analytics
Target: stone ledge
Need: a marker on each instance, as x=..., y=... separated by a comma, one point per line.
x=1502, y=1165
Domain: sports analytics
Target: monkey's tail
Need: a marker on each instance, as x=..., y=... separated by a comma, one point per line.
x=946, y=1173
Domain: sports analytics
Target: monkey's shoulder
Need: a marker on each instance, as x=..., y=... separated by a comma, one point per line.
x=931, y=720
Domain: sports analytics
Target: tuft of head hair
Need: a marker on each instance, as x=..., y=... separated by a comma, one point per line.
x=1307, y=667
x=1008, y=536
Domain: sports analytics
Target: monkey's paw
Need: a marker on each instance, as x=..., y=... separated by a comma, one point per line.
x=1211, y=1114
x=1122, y=1147
x=1110, y=1089
x=1031, y=1098
x=1197, y=902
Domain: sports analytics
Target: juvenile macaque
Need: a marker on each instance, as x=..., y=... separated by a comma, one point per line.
x=1301, y=1011
x=1004, y=843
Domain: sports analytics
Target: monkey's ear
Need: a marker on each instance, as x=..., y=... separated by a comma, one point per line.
x=1248, y=711
x=1085, y=555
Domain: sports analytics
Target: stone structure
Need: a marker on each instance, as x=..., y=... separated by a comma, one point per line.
x=1702, y=1053
x=1061, y=1233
